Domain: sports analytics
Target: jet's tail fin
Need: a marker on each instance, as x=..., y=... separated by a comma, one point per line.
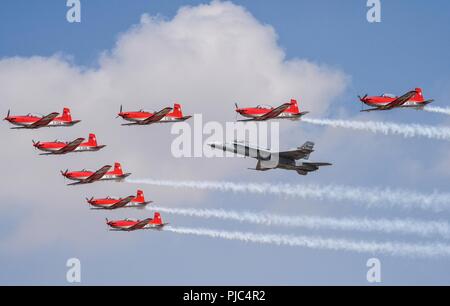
x=66, y=116
x=140, y=196
x=294, y=107
x=92, y=140
x=118, y=169
x=419, y=95
x=157, y=219
x=177, y=112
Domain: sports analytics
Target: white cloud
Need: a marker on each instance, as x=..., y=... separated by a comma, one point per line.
x=207, y=57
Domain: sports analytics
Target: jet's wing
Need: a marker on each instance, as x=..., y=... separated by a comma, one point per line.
x=122, y=202
x=70, y=146
x=139, y=225
x=272, y=114
x=400, y=100
x=374, y=109
x=307, y=167
x=157, y=116
x=44, y=121
x=94, y=176
x=301, y=153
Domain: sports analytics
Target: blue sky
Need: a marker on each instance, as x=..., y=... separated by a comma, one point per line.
x=408, y=48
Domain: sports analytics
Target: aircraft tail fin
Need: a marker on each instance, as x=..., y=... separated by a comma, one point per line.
x=177, y=112
x=66, y=114
x=294, y=106
x=157, y=218
x=92, y=140
x=118, y=169
x=140, y=196
x=419, y=94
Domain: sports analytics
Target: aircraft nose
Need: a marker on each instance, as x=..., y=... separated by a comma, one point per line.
x=212, y=145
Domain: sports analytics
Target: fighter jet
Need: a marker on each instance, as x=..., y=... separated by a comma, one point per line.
x=60, y=148
x=113, y=203
x=31, y=121
x=266, y=112
x=165, y=115
x=129, y=225
x=103, y=174
x=412, y=99
x=296, y=159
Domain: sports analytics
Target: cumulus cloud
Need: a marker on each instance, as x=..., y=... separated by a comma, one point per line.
x=207, y=57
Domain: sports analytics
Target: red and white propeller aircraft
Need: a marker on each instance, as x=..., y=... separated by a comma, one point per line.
x=60, y=147
x=112, y=203
x=103, y=174
x=129, y=225
x=412, y=99
x=31, y=121
x=261, y=113
x=165, y=115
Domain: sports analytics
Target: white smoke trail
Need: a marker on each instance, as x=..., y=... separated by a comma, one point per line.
x=387, y=128
x=440, y=110
x=406, y=226
x=386, y=197
x=386, y=248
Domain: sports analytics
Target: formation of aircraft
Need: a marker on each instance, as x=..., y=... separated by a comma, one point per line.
x=115, y=203
x=78, y=145
x=264, y=112
x=412, y=99
x=296, y=159
x=103, y=174
x=141, y=117
x=129, y=225
x=32, y=121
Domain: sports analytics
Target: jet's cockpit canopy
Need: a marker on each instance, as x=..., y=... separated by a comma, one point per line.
x=264, y=106
x=387, y=95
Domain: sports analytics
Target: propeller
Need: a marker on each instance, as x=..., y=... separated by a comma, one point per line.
x=36, y=144
x=120, y=111
x=363, y=98
x=107, y=221
x=7, y=115
x=89, y=200
x=64, y=173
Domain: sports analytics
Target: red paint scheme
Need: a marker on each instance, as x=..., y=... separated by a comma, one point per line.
x=60, y=147
x=112, y=203
x=132, y=225
x=141, y=117
x=103, y=174
x=34, y=121
x=412, y=99
x=286, y=111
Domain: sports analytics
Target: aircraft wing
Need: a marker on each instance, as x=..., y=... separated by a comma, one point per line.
x=44, y=121
x=301, y=153
x=272, y=114
x=70, y=146
x=157, y=116
x=122, y=202
x=139, y=225
x=400, y=100
x=94, y=176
